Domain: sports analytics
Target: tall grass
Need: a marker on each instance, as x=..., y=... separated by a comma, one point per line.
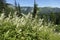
x=26, y=28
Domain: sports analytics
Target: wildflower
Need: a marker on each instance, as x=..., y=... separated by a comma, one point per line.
x=41, y=27
x=22, y=38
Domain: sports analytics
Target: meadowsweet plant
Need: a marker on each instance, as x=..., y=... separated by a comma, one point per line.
x=26, y=28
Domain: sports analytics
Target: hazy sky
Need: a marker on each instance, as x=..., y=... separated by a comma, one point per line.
x=41, y=3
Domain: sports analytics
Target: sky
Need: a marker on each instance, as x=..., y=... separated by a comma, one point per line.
x=41, y=3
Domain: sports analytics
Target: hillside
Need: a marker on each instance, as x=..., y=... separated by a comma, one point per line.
x=42, y=9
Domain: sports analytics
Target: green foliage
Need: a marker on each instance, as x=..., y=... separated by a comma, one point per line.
x=25, y=28
x=53, y=17
x=57, y=28
x=2, y=5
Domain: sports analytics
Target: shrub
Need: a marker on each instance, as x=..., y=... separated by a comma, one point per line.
x=26, y=28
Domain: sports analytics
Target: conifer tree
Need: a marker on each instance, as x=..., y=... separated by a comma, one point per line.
x=15, y=5
x=35, y=9
x=19, y=10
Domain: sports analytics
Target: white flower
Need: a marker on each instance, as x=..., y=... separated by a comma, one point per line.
x=22, y=38
x=41, y=27
x=20, y=30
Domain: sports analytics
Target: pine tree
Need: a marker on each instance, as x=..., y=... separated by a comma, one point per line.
x=35, y=9
x=19, y=10
x=15, y=5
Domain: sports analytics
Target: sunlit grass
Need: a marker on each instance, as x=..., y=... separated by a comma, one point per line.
x=26, y=28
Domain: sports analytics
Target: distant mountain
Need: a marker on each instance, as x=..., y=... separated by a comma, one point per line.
x=42, y=9
x=49, y=10
x=26, y=9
